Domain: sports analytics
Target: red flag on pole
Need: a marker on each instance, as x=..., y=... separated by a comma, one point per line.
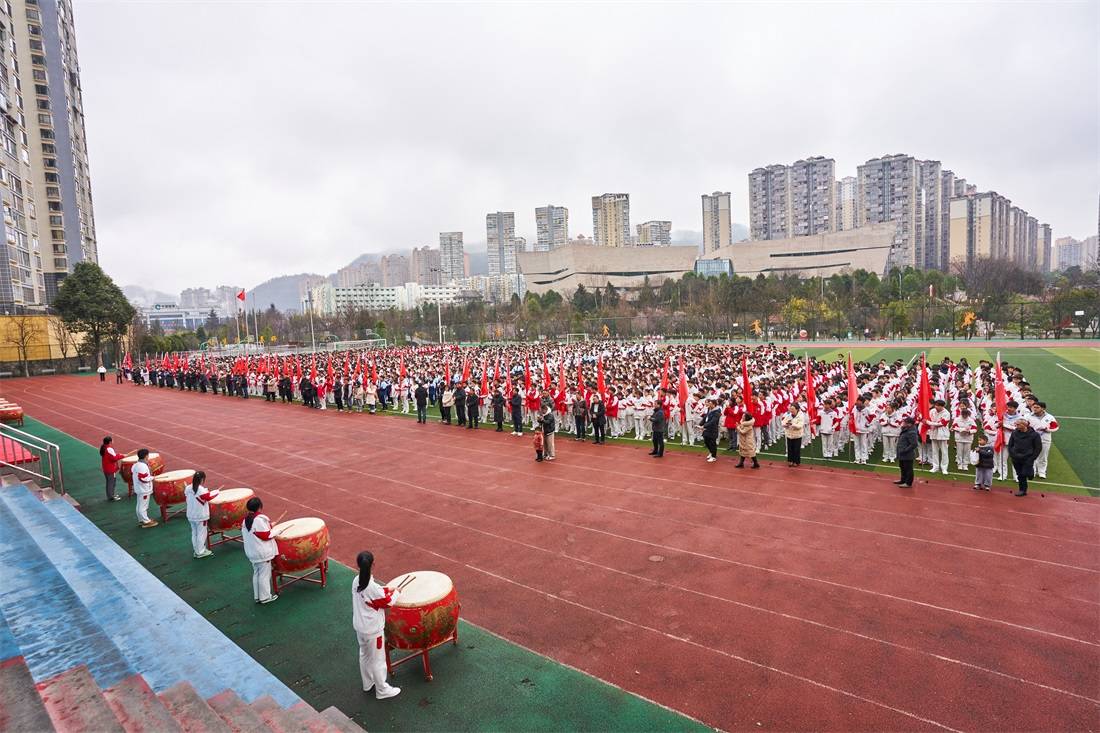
x=297, y=369
x=546, y=382
x=465, y=368
x=313, y=370
x=664, y=375
x=924, y=396
x=811, y=398
x=683, y=391
x=401, y=370
x=496, y=372
x=580, y=377
x=1000, y=401
x=561, y=376
x=746, y=386
x=240, y=296
x=484, y=378
x=527, y=375
x=330, y=373
x=446, y=372
x=852, y=395
x=601, y=386
x=508, y=384
x=373, y=371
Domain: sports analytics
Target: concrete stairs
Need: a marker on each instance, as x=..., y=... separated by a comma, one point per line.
x=91, y=641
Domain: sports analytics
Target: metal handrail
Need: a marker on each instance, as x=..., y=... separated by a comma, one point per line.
x=40, y=448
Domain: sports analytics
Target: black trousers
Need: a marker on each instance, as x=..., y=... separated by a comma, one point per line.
x=1023, y=470
x=794, y=450
x=421, y=413
x=906, y=467
x=580, y=423
x=659, y=443
x=461, y=413
x=446, y=413
x=598, y=431
x=711, y=444
x=471, y=419
x=517, y=421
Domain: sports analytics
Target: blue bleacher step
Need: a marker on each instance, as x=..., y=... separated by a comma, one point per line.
x=196, y=650
x=58, y=634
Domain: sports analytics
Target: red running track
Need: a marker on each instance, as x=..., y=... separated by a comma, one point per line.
x=790, y=599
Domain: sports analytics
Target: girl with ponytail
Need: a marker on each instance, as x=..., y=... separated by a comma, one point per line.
x=369, y=602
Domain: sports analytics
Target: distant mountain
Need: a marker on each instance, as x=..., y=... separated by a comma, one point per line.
x=285, y=292
x=145, y=297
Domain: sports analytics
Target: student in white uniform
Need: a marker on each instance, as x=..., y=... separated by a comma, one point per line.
x=939, y=431
x=964, y=427
x=142, y=478
x=890, y=425
x=369, y=602
x=828, y=430
x=1043, y=423
x=198, y=512
x=260, y=549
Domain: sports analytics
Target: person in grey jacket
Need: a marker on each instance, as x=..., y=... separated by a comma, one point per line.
x=659, y=423
x=908, y=440
x=1024, y=446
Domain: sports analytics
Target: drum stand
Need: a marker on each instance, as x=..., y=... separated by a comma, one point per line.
x=165, y=515
x=223, y=537
x=391, y=665
x=307, y=576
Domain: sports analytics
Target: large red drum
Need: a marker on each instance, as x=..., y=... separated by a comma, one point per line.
x=126, y=466
x=10, y=412
x=425, y=613
x=302, y=544
x=168, y=488
x=228, y=508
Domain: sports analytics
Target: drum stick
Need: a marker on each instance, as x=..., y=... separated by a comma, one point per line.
x=406, y=581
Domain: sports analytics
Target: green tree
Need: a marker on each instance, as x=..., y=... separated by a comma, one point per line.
x=89, y=302
x=896, y=314
x=584, y=301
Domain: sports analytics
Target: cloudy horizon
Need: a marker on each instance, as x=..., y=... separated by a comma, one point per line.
x=233, y=142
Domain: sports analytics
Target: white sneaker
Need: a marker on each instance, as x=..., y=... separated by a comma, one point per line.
x=204, y=553
x=272, y=599
x=387, y=693
x=711, y=459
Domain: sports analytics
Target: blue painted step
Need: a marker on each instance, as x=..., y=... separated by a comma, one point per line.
x=9, y=647
x=194, y=648
x=53, y=629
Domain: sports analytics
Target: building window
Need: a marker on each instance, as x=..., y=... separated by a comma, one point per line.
x=60, y=263
x=49, y=162
x=55, y=221
x=44, y=119
x=43, y=103
x=57, y=235
x=52, y=178
x=37, y=59
x=38, y=74
x=48, y=148
x=41, y=89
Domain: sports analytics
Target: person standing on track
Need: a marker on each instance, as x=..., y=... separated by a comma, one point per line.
x=109, y=459
x=711, y=425
x=421, y=397
x=142, y=481
x=908, y=441
x=1045, y=425
x=198, y=513
x=369, y=602
x=1024, y=446
x=794, y=422
x=516, y=403
x=746, y=440
x=260, y=549
x=548, y=427
x=659, y=424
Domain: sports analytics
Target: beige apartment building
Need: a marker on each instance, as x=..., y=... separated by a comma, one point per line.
x=452, y=259
x=717, y=224
x=49, y=71
x=655, y=234
x=611, y=220
x=424, y=264
x=793, y=201
x=552, y=227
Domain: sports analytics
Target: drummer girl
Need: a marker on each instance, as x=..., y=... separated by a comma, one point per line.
x=369, y=602
x=260, y=549
x=198, y=512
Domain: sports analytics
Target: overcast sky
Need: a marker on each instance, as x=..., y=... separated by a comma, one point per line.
x=231, y=142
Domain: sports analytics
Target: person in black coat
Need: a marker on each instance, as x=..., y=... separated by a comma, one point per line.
x=472, y=411
x=420, y=394
x=1024, y=446
x=549, y=427
x=498, y=410
x=580, y=415
x=460, y=403
x=659, y=423
x=908, y=441
x=516, y=403
x=710, y=423
x=597, y=413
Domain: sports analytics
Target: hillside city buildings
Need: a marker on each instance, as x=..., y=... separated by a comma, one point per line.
x=717, y=224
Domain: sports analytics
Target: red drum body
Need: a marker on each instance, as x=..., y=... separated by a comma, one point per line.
x=168, y=487
x=228, y=508
x=425, y=614
x=302, y=544
x=10, y=412
x=126, y=465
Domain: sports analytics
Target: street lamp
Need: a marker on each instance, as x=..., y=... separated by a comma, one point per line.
x=309, y=307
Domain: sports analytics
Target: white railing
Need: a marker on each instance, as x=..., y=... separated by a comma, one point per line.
x=47, y=467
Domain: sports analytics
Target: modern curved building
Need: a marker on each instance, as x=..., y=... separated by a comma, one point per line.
x=866, y=248
x=564, y=268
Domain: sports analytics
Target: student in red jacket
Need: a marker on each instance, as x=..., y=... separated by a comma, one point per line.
x=109, y=459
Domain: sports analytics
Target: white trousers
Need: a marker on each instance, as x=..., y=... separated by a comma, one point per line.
x=372, y=663
x=828, y=444
x=889, y=447
x=939, y=455
x=962, y=453
x=198, y=536
x=862, y=446
x=1041, y=461
x=261, y=580
x=143, y=507
x=641, y=429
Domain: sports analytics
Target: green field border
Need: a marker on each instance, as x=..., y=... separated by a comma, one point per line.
x=306, y=639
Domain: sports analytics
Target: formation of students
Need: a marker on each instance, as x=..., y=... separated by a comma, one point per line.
x=648, y=392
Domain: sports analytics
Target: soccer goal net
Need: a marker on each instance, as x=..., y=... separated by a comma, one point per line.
x=571, y=338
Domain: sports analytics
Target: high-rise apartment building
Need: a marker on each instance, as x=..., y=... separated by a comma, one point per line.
x=369, y=271
x=1070, y=252
x=890, y=190
x=611, y=220
x=717, y=224
x=451, y=257
x=552, y=227
x=770, y=203
x=846, y=203
x=395, y=271
x=1046, y=247
x=21, y=264
x=424, y=264
x=500, y=228
x=979, y=227
x=655, y=234
x=49, y=73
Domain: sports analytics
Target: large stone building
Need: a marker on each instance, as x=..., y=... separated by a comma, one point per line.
x=655, y=234
x=49, y=74
x=769, y=203
x=452, y=261
x=564, y=268
x=611, y=220
x=717, y=224
x=552, y=227
x=796, y=200
x=866, y=248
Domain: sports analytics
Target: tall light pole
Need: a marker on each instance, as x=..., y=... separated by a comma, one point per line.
x=439, y=304
x=309, y=307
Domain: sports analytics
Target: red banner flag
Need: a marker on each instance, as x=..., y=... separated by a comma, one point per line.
x=580, y=377
x=746, y=386
x=924, y=397
x=446, y=373
x=811, y=398
x=330, y=373
x=313, y=370
x=561, y=376
x=601, y=386
x=401, y=370
x=1000, y=401
x=373, y=371
x=664, y=375
x=465, y=368
x=527, y=375
x=852, y=395
x=484, y=378
x=496, y=372
x=508, y=384
x=547, y=384
x=682, y=391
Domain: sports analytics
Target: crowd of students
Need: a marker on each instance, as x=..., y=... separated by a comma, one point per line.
x=649, y=392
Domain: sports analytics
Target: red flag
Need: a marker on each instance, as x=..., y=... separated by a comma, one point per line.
x=683, y=391
x=313, y=370
x=128, y=362
x=746, y=386
x=527, y=375
x=373, y=371
x=580, y=378
x=240, y=296
x=148, y=366
x=546, y=383
x=465, y=368
x=852, y=394
x=330, y=373
x=496, y=372
x=402, y=369
x=664, y=375
x=561, y=376
x=447, y=372
x=811, y=398
x=484, y=378
x=601, y=387
x=297, y=369
x=924, y=396
x=508, y=384
x=347, y=366
x=1000, y=401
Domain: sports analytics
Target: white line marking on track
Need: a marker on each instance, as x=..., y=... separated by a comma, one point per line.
x=1094, y=384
